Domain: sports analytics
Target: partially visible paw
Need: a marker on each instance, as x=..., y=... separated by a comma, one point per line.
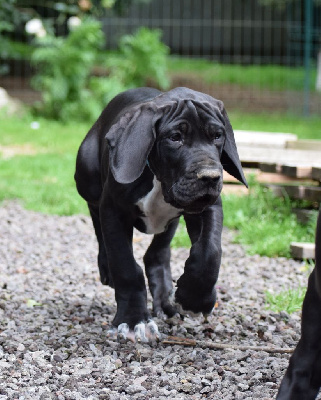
x=186, y=311
x=165, y=310
x=143, y=332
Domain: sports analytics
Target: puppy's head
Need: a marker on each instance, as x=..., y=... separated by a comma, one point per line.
x=186, y=138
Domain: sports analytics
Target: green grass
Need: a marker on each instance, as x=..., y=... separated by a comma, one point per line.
x=44, y=181
x=181, y=238
x=269, y=77
x=264, y=222
x=304, y=128
x=288, y=300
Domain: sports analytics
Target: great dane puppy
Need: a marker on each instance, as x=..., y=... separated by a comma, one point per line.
x=302, y=380
x=150, y=158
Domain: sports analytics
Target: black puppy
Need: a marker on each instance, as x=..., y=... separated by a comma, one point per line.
x=150, y=158
x=302, y=380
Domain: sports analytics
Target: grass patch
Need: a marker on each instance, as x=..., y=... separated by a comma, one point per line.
x=43, y=181
x=51, y=136
x=181, y=238
x=288, y=300
x=265, y=223
x=269, y=77
x=304, y=128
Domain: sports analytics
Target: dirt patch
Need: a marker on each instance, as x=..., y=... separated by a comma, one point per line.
x=7, y=152
x=250, y=99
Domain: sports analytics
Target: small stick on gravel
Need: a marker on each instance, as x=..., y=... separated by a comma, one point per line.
x=174, y=340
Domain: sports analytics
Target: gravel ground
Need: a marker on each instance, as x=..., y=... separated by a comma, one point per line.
x=54, y=317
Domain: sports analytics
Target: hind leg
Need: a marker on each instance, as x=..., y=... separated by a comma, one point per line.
x=157, y=267
x=105, y=276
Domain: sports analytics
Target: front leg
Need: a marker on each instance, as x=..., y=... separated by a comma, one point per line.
x=195, y=288
x=158, y=270
x=302, y=380
x=127, y=276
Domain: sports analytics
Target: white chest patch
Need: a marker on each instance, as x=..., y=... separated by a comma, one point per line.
x=157, y=213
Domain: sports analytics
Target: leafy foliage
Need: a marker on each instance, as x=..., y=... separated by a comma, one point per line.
x=288, y=300
x=64, y=70
x=8, y=17
x=141, y=57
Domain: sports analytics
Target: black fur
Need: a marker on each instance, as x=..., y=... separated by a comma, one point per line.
x=181, y=139
x=302, y=380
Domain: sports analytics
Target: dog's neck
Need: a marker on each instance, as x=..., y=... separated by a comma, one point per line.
x=156, y=213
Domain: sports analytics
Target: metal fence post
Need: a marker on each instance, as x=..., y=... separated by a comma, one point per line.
x=307, y=55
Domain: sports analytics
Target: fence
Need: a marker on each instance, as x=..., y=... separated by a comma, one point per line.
x=242, y=32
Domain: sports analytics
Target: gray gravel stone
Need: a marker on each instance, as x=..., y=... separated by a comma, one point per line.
x=54, y=317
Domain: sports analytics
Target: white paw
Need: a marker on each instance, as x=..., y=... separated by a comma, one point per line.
x=143, y=332
x=181, y=310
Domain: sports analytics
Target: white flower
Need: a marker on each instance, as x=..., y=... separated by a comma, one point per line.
x=41, y=33
x=35, y=27
x=73, y=22
x=34, y=125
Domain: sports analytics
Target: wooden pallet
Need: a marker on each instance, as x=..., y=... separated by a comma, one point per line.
x=290, y=167
x=293, y=171
x=316, y=173
x=309, y=193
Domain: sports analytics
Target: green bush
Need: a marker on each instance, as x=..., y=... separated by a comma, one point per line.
x=142, y=58
x=63, y=73
x=64, y=70
x=7, y=17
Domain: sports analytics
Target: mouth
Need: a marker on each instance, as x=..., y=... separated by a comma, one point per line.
x=195, y=204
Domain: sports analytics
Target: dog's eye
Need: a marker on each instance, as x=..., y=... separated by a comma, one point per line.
x=176, y=137
x=215, y=134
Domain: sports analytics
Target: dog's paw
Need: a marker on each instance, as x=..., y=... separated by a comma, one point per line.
x=143, y=332
x=174, y=302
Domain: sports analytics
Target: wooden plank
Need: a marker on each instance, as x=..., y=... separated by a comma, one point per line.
x=250, y=164
x=269, y=167
x=316, y=173
x=256, y=155
x=292, y=171
x=263, y=139
x=261, y=177
x=302, y=251
x=267, y=177
x=310, y=193
x=238, y=190
x=296, y=171
x=304, y=144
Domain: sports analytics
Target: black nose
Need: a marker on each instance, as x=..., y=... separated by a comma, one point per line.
x=209, y=174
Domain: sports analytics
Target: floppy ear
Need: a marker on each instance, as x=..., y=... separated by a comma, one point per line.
x=131, y=139
x=230, y=158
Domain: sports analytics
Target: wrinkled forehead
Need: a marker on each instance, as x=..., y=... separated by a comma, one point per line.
x=193, y=112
